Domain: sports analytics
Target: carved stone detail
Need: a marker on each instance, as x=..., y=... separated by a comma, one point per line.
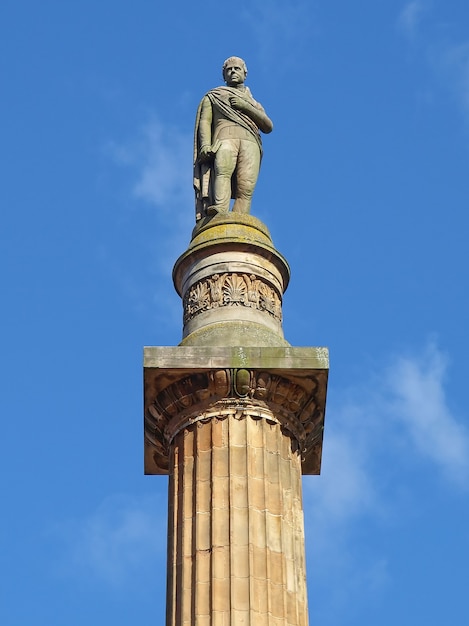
x=231, y=290
x=216, y=394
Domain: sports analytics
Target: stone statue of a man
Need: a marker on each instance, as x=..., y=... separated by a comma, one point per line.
x=227, y=144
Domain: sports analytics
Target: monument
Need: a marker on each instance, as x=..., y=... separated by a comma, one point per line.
x=227, y=144
x=233, y=414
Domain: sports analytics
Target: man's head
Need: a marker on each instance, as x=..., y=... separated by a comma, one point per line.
x=234, y=71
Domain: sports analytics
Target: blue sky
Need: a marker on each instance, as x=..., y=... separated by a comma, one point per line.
x=365, y=189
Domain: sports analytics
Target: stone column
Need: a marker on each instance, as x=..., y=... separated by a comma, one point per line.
x=237, y=557
x=234, y=424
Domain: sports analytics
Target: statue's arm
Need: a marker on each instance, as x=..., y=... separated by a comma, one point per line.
x=256, y=114
x=205, y=129
x=260, y=118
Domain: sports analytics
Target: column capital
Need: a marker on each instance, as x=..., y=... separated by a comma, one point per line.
x=186, y=384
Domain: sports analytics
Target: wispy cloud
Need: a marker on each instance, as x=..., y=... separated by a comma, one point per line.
x=400, y=410
x=410, y=17
x=159, y=156
x=157, y=160
x=418, y=404
x=165, y=177
x=377, y=433
x=343, y=496
x=118, y=541
x=451, y=61
x=447, y=56
x=336, y=503
x=346, y=487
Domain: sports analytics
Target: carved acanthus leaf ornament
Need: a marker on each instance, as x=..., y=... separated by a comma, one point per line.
x=231, y=290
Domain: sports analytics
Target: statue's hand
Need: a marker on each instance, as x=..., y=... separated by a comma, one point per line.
x=205, y=153
x=237, y=103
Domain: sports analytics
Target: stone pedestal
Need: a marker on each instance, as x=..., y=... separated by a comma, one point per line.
x=234, y=415
x=231, y=281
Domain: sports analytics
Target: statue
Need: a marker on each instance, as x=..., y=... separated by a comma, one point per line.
x=227, y=144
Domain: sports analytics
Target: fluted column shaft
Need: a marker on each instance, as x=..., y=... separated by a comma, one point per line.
x=235, y=537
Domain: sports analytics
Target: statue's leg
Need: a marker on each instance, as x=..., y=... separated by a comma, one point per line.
x=247, y=171
x=224, y=165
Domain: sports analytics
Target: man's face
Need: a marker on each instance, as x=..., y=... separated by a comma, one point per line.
x=234, y=73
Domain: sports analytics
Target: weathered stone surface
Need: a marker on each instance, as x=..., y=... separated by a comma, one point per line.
x=195, y=357
x=227, y=144
x=231, y=280
x=185, y=385
x=244, y=552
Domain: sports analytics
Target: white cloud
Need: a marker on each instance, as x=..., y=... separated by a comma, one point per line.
x=410, y=17
x=400, y=413
x=448, y=58
x=451, y=61
x=345, y=488
x=158, y=160
x=344, y=494
x=118, y=541
x=162, y=159
x=160, y=156
x=165, y=170
x=419, y=404
x=375, y=435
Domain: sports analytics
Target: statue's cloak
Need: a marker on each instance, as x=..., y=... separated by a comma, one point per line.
x=219, y=98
